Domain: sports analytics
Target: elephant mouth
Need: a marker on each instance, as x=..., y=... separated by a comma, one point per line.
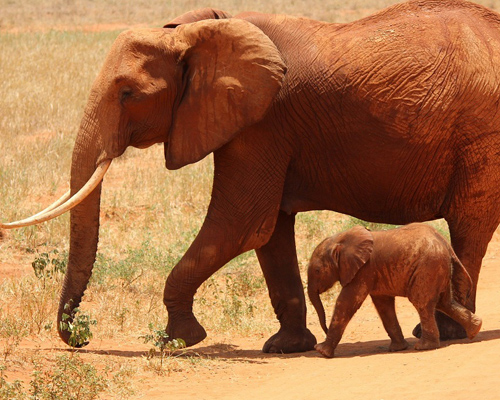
x=65, y=203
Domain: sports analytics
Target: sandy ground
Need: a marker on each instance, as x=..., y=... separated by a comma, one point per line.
x=362, y=369
x=235, y=368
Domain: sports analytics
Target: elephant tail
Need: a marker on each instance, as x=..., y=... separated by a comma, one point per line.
x=461, y=281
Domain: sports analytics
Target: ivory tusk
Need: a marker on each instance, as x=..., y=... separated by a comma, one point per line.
x=55, y=204
x=56, y=209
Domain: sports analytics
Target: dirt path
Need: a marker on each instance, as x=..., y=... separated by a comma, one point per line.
x=235, y=367
x=362, y=369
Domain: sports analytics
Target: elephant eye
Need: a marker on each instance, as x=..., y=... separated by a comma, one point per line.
x=125, y=93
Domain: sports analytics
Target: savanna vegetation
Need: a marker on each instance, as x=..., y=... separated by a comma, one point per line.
x=50, y=52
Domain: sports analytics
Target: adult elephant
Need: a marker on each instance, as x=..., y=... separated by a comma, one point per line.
x=393, y=118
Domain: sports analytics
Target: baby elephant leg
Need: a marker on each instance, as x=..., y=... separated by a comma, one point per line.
x=470, y=322
x=426, y=309
x=430, y=332
x=348, y=302
x=387, y=312
x=430, y=279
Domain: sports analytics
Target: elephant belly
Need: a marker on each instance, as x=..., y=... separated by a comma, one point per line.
x=396, y=193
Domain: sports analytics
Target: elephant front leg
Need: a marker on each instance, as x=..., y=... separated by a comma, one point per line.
x=348, y=302
x=242, y=215
x=278, y=260
x=210, y=250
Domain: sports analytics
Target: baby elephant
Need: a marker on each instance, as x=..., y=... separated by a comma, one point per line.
x=412, y=261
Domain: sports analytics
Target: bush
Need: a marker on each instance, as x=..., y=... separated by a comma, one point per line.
x=79, y=327
x=71, y=379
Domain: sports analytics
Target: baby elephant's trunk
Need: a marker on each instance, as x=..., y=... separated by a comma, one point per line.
x=313, y=293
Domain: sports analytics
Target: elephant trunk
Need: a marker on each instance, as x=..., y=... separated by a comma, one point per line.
x=315, y=299
x=84, y=224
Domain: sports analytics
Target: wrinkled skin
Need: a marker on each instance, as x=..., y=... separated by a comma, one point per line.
x=413, y=261
x=392, y=119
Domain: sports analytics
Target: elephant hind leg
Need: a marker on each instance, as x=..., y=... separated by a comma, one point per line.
x=470, y=235
x=473, y=215
x=278, y=260
x=424, y=296
x=469, y=321
x=430, y=332
x=470, y=243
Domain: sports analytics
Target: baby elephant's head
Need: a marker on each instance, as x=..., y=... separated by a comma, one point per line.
x=337, y=258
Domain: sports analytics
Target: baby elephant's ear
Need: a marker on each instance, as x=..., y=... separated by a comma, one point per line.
x=356, y=249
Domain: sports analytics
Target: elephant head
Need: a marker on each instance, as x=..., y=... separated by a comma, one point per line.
x=337, y=258
x=197, y=15
x=192, y=88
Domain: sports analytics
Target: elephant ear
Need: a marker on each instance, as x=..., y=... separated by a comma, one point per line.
x=232, y=73
x=197, y=15
x=355, y=249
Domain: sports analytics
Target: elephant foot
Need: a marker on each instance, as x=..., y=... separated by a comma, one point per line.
x=187, y=328
x=290, y=341
x=398, y=346
x=474, y=327
x=426, y=344
x=448, y=329
x=325, y=349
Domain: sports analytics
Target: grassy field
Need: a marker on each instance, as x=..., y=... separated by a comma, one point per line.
x=149, y=215
x=74, y=14
x=52, y=13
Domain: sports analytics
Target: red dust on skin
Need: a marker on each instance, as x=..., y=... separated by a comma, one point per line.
x=413, y=261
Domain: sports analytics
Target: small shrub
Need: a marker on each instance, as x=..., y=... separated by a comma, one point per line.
x=160, y=341
x=10, y=391
x=120, y=316
x=48, y=265
x=120, y=383
x=70, y=379
x=237, y=294
x=79, y=327
x=13, y=331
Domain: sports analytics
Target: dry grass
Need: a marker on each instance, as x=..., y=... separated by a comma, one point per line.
x=53, y=13
x=150, y=215
x=74, y=14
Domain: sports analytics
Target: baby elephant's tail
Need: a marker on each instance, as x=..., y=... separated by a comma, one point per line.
x=461, y=281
